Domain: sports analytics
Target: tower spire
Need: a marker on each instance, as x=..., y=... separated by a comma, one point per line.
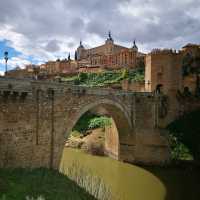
x=81, y=44
x=109, y=39
x=109, y=35
x=75, y=55
x=134, y=45
x=69, y=57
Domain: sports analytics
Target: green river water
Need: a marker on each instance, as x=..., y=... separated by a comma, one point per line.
x=130, y=182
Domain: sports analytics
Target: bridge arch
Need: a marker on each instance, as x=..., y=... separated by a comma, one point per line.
x=121, y=119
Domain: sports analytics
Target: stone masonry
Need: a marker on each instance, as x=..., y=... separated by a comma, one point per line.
x=37, y=117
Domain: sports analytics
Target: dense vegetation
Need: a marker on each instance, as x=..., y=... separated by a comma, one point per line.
x=191, y=66
x=42, y=184
x=185, y=136
x=179, y=151
x=90, y=121
x=105, y=78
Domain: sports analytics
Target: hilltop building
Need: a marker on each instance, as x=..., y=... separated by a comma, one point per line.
x=165, y=69
x=109, y=55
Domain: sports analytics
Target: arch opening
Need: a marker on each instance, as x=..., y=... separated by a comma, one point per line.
x=115, y=129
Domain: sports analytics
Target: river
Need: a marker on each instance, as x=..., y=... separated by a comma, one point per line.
x=130, y=182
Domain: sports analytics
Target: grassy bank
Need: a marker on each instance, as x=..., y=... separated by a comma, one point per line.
x=24, y=184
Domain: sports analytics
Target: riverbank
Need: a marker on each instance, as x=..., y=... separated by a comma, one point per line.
x=21, y=184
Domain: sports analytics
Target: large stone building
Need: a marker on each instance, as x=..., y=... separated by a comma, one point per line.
x=108, y=55
x=47, y=70
x=28, y=72
x=166, y=69
x=58, y=67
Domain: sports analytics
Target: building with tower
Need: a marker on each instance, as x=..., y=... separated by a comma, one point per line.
x=166, y=70
x=109, y=55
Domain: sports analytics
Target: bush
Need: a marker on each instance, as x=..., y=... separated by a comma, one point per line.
x=187, y=131
x=106, y=78
x=83, y=123
x=178, y=150
x=99, y=122
x=91, y=121
x=82, y=77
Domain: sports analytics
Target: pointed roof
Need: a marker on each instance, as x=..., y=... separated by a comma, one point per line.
x=109, y=37
x=69, y=57
x=134, y=45
x=81, y=45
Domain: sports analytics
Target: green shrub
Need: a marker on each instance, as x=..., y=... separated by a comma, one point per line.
x=91, y=121
x=83, y=123
x=187, y=131
x=178, y=150
x=82, y=77
x=106, y=78
x=99, y=122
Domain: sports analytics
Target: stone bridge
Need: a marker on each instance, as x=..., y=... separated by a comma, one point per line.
x=37, y=117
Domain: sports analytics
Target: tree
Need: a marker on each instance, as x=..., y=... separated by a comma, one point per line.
x=75, y=56
x=196, y=71
x=191, y=65
x=187, y=131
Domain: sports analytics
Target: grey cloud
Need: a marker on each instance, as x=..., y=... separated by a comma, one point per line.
x=52, y=46
x=158, y=22
x=71, y=44
x=173, y=22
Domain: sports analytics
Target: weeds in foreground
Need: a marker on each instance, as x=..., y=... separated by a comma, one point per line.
x=27, y=198
x=91, y=183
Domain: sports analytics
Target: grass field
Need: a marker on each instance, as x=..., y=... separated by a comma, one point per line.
x=25, y=184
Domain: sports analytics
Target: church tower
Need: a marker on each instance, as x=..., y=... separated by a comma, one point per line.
x=109, y=44
x=80, y=51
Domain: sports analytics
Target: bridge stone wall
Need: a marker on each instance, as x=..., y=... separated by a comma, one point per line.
x=37, y=117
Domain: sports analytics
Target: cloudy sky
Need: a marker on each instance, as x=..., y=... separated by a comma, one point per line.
x=34, y=31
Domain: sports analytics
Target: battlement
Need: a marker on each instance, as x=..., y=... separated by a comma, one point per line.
x=163, y=51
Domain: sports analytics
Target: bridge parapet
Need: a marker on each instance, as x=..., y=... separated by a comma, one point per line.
x=24, y=85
